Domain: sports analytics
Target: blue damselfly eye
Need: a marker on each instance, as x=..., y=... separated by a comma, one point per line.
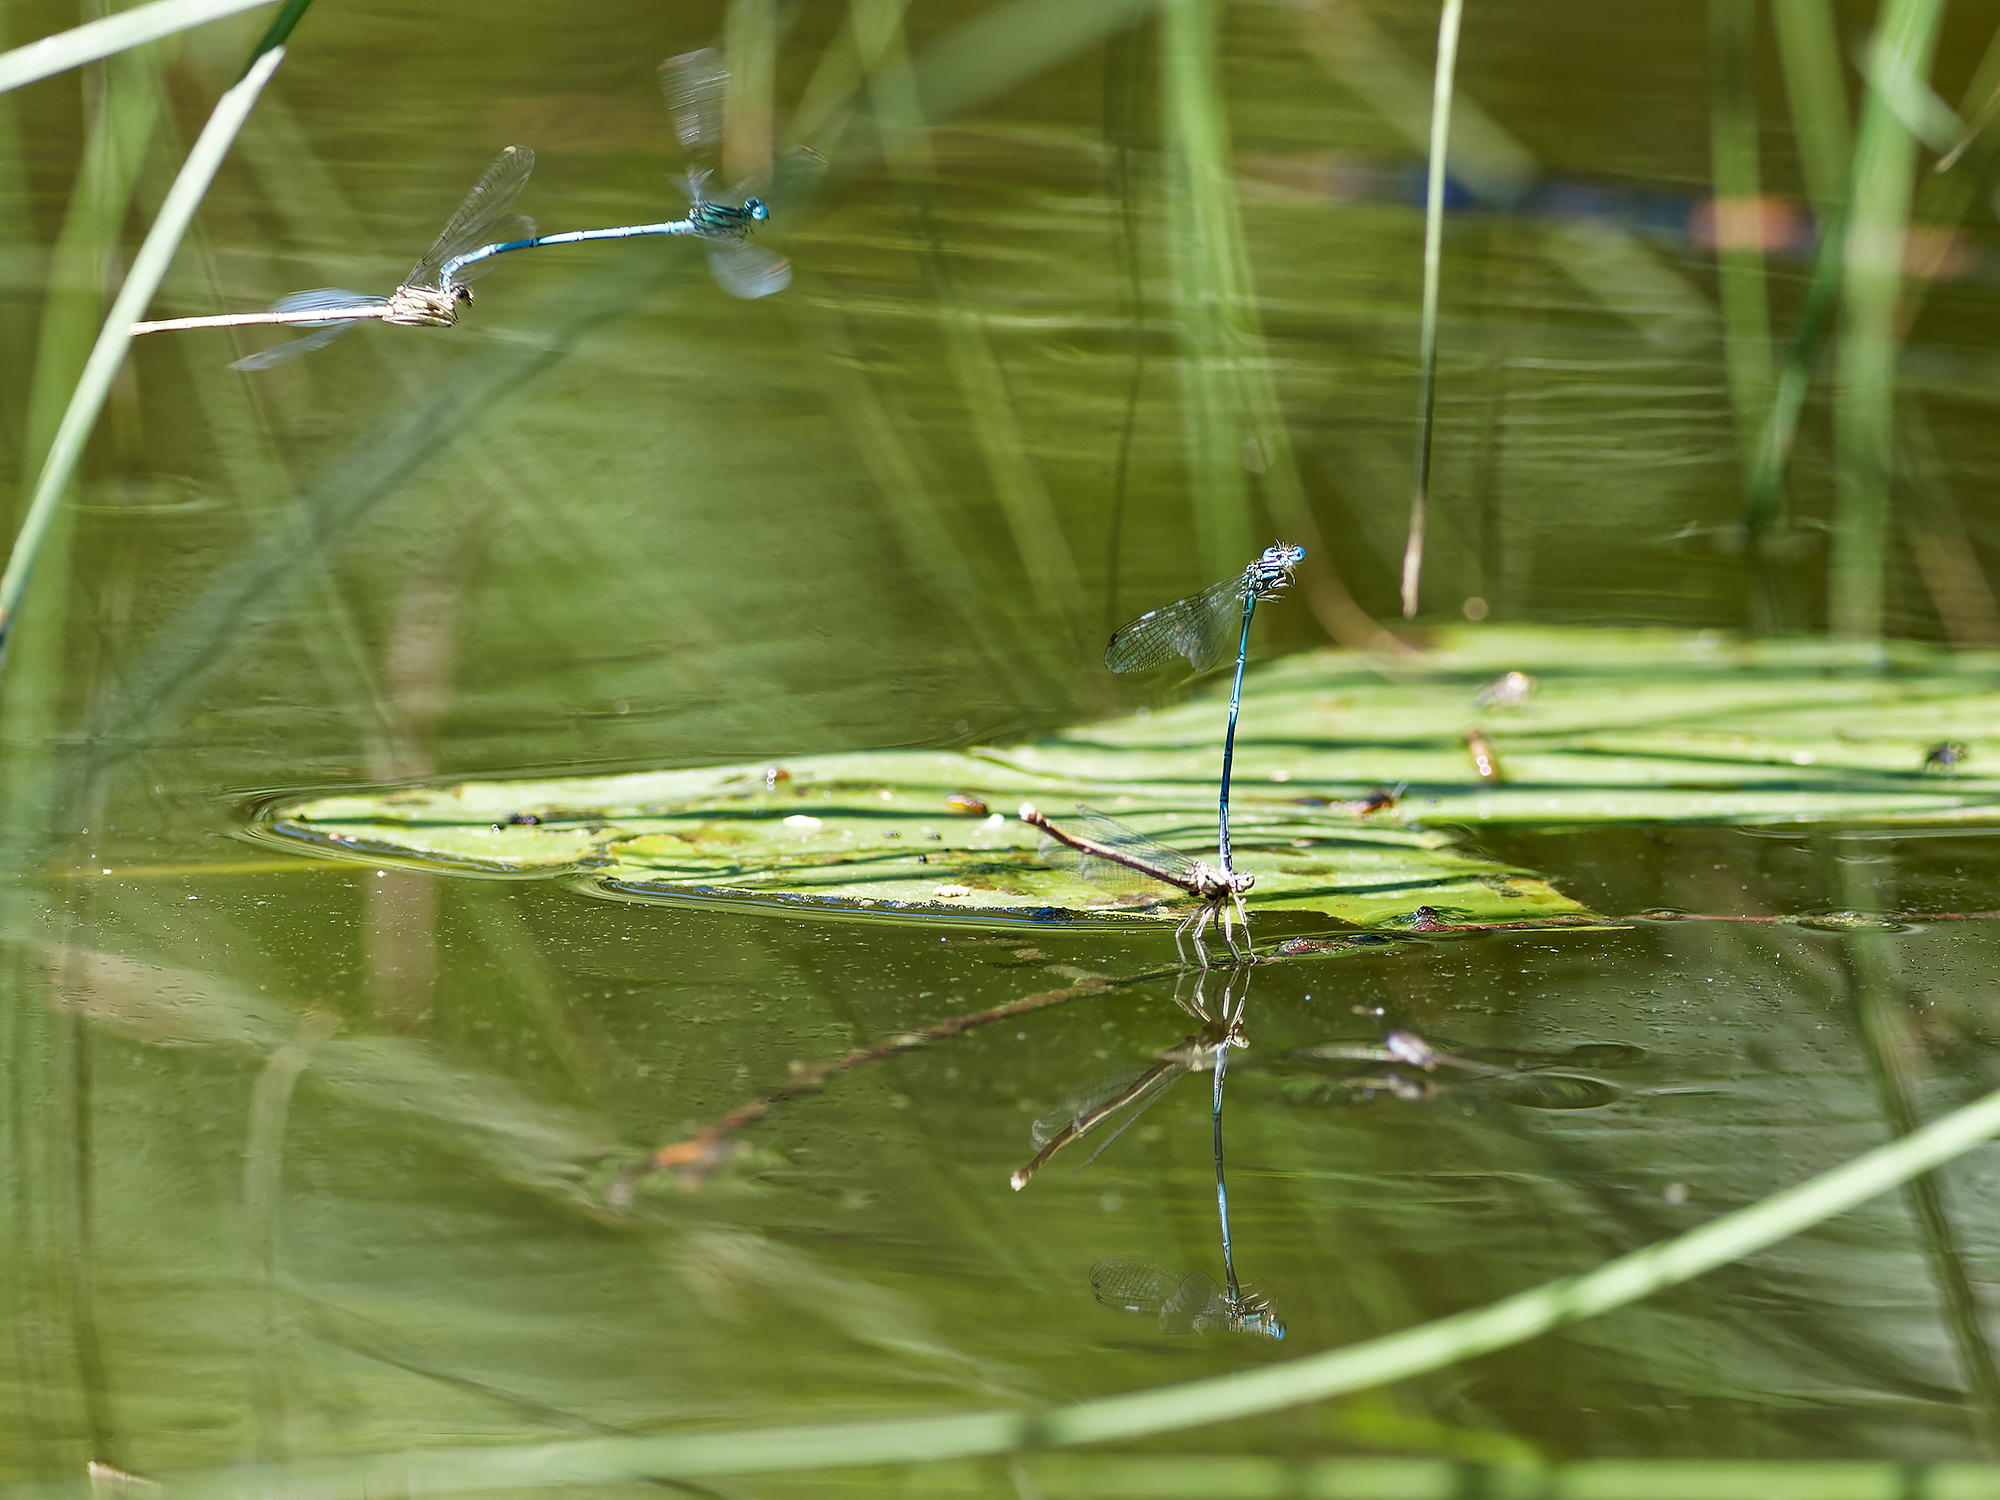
x=756, y=208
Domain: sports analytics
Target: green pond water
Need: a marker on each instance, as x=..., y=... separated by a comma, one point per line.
x=314, y=1151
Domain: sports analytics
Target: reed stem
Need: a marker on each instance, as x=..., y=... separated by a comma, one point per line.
x=1441, y=92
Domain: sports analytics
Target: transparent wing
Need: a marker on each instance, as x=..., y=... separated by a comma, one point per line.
x=1200, y=627
x=327, y=297
x=499, y=232
x=1133, y=1284
x=1196, y=1306
x=746, y=270
x=285, y=353
x=483, y=207
x=695, y=85
x=1107, y=875
x=1122, y=838
x=795, y=177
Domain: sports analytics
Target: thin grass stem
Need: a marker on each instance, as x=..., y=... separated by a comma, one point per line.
x=1243, y=1393
x=1440, y=143
x=149, y=266
x=111, y=34
x=1874, y=245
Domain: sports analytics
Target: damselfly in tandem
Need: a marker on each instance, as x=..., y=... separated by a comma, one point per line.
x=429, y=295
x=696, y=85
x=1198, y=628
x=1183, y=1304
x=1109, y=847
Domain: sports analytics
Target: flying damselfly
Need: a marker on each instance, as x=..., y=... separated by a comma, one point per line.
x=695, y=86
x=429, y=295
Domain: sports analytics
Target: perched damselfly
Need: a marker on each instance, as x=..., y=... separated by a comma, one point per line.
x=1107, y=846
x=429, y=295
x=1198, y=628
x=695, y=85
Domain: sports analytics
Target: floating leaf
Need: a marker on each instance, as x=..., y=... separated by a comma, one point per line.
x=895, y=832
x=1618, y=725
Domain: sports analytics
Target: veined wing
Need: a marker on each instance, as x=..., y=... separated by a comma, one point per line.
x=500, y=232
x=1196, y=1306
x=1122, y=838
x=327, y=297
x=1131, y=1283
x=483, y=207
x=746, y=270
x=1199, y=627
x=695, y=86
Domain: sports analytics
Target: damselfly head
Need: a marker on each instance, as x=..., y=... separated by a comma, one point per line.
x=757, y=209
x=1273, y=570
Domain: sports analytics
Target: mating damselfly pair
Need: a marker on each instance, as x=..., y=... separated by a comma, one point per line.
x=1198, y=628
x=695, y=86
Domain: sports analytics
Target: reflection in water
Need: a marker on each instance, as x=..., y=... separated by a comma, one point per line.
x=1191, y=1303
x=1407, y=1067
x=1185, y=1304
x=1085, y=1110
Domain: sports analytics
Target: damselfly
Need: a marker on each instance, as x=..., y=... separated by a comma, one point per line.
x=1183, y=1304
x=695, y=86
x=1110, y=843
x=1089, y=1108
x=1198, y=628
x=429, y=295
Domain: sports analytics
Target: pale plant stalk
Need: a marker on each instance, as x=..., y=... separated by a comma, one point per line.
x=148, y=267
x=1441, y=92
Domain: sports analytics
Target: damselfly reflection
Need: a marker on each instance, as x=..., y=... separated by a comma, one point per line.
x=1405, y=1066
x=696, y=86
x=1137, y=1091
x=429, y=295
x=1183, y=1304
x=1110, y=850
x=1198, y=628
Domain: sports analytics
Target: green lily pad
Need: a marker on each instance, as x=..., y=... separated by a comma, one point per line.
x=1619, y=725
x=920, y=833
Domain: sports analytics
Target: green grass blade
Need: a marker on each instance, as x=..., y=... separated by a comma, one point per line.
x=102, y=38
x=1746, y=313
x=1864, y=402
x=1809, y=52
x=148, y=267
x=1440, y=144
x=1243, y=1393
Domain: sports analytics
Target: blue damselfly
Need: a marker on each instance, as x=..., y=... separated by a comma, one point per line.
x=1199, y=628
x=695, y=86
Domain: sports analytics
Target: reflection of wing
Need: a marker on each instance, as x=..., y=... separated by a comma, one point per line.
x=483, y=207
x=1197, y=1306
x=695, y=85
x=746, y=270
x=327, y=297
x=1132, y=1283
x=1198, y=627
